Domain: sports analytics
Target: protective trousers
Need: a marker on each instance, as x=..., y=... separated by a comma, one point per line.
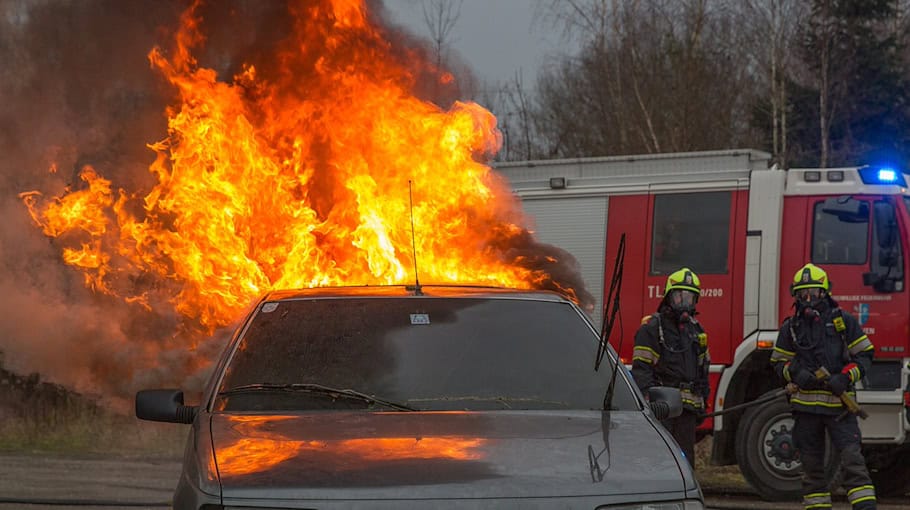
x=809, y=438
x=683, y=430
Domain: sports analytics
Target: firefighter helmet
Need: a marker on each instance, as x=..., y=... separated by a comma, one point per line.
x=810, y=276
x=684, y=279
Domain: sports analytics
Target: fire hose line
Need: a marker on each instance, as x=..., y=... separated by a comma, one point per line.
x=767, y=398
x=789, y=389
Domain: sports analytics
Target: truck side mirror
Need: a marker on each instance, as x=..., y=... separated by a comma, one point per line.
x=879, y=282
x=847, y=209
x=885, y=225
x=886, y=273
x=888, y=258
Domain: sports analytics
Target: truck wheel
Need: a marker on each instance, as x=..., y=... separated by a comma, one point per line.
x=766, y=456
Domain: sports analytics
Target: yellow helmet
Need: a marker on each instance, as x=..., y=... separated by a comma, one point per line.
x=810, y=276
x=684, y=279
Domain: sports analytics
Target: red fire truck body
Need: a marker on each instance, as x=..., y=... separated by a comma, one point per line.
x=745, y=229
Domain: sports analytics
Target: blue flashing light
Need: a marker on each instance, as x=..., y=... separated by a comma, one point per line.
x=887, y=175
x=881, y=175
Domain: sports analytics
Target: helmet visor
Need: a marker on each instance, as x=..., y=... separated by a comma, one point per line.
x=810, y=294
x=679, y=298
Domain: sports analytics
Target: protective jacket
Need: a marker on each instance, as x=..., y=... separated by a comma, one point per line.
x=829, y=338
x=673, y=354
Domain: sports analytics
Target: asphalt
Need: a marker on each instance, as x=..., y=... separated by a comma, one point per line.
x=36, y=482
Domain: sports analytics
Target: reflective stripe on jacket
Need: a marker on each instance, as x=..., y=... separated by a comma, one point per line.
x=832, y=339
x=670, y=354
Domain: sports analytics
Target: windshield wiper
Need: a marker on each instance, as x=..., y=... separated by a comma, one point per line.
x=504, y=401
x=610, y=311
x=315, y=388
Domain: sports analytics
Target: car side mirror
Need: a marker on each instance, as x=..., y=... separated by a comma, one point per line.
x=164, y=405
x=665, y=402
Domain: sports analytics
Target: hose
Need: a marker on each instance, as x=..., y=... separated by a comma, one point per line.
x=765, y=399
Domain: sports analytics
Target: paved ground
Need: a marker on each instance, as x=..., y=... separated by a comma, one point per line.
x=41, y=482
x=717, y=501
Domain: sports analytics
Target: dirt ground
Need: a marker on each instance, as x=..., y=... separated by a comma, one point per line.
x=52, y=482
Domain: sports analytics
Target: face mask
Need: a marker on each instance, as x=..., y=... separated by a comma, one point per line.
x=682, y=304
x=809, y=300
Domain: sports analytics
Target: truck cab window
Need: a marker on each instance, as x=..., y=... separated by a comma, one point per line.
x=693, y=230
x=840, y=231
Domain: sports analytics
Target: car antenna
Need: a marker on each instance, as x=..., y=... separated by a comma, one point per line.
x=416, y=287
x=611, y=310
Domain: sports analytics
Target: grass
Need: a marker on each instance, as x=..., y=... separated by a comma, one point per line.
x=39, y=417
x=717, y=478
x=86, y=435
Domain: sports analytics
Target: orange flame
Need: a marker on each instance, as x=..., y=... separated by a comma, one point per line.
x=246, y=455
x=300, y=175
x=260, y=448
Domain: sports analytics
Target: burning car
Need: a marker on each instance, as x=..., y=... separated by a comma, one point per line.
x=421, y=397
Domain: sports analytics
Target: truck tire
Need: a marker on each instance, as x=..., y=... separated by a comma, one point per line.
x=766, y=456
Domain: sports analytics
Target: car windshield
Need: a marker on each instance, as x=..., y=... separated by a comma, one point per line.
x=418, y=353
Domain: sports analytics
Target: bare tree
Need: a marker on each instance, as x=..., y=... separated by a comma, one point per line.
x=826, y=107
x=652, y=76
x=440, y=17
x=769, y=39
x=520, y=104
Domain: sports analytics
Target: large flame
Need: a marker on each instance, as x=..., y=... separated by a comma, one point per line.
x=306, y=169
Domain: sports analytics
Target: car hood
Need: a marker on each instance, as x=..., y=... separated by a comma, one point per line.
x=332, y=456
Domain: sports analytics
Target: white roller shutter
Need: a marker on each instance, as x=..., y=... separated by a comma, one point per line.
x=579, y=226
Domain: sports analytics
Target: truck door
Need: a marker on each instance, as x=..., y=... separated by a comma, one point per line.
x=857, y=241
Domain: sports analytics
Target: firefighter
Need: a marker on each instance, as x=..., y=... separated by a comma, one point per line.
x=671, y=349
x=824, y=352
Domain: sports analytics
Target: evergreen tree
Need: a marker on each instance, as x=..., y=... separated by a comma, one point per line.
x=858, y=87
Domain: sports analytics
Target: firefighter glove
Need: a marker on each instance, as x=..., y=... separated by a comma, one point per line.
x=839, y=383
x=805, y=379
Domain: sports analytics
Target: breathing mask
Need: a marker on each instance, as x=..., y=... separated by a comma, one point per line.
x=810, y=301
x=682, y=304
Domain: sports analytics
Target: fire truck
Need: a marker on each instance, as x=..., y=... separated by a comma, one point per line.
x=745, y=228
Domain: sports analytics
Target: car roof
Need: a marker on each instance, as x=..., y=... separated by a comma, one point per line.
x=448, y=291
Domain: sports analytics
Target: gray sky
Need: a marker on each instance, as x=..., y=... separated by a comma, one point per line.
x=497, y=38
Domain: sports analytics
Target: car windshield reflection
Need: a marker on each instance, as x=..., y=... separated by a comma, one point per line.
x=408, y=353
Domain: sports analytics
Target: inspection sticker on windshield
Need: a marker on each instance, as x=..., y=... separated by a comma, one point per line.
x=269, y=307
x=420, y=318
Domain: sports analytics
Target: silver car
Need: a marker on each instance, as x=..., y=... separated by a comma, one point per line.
x=423, y=397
